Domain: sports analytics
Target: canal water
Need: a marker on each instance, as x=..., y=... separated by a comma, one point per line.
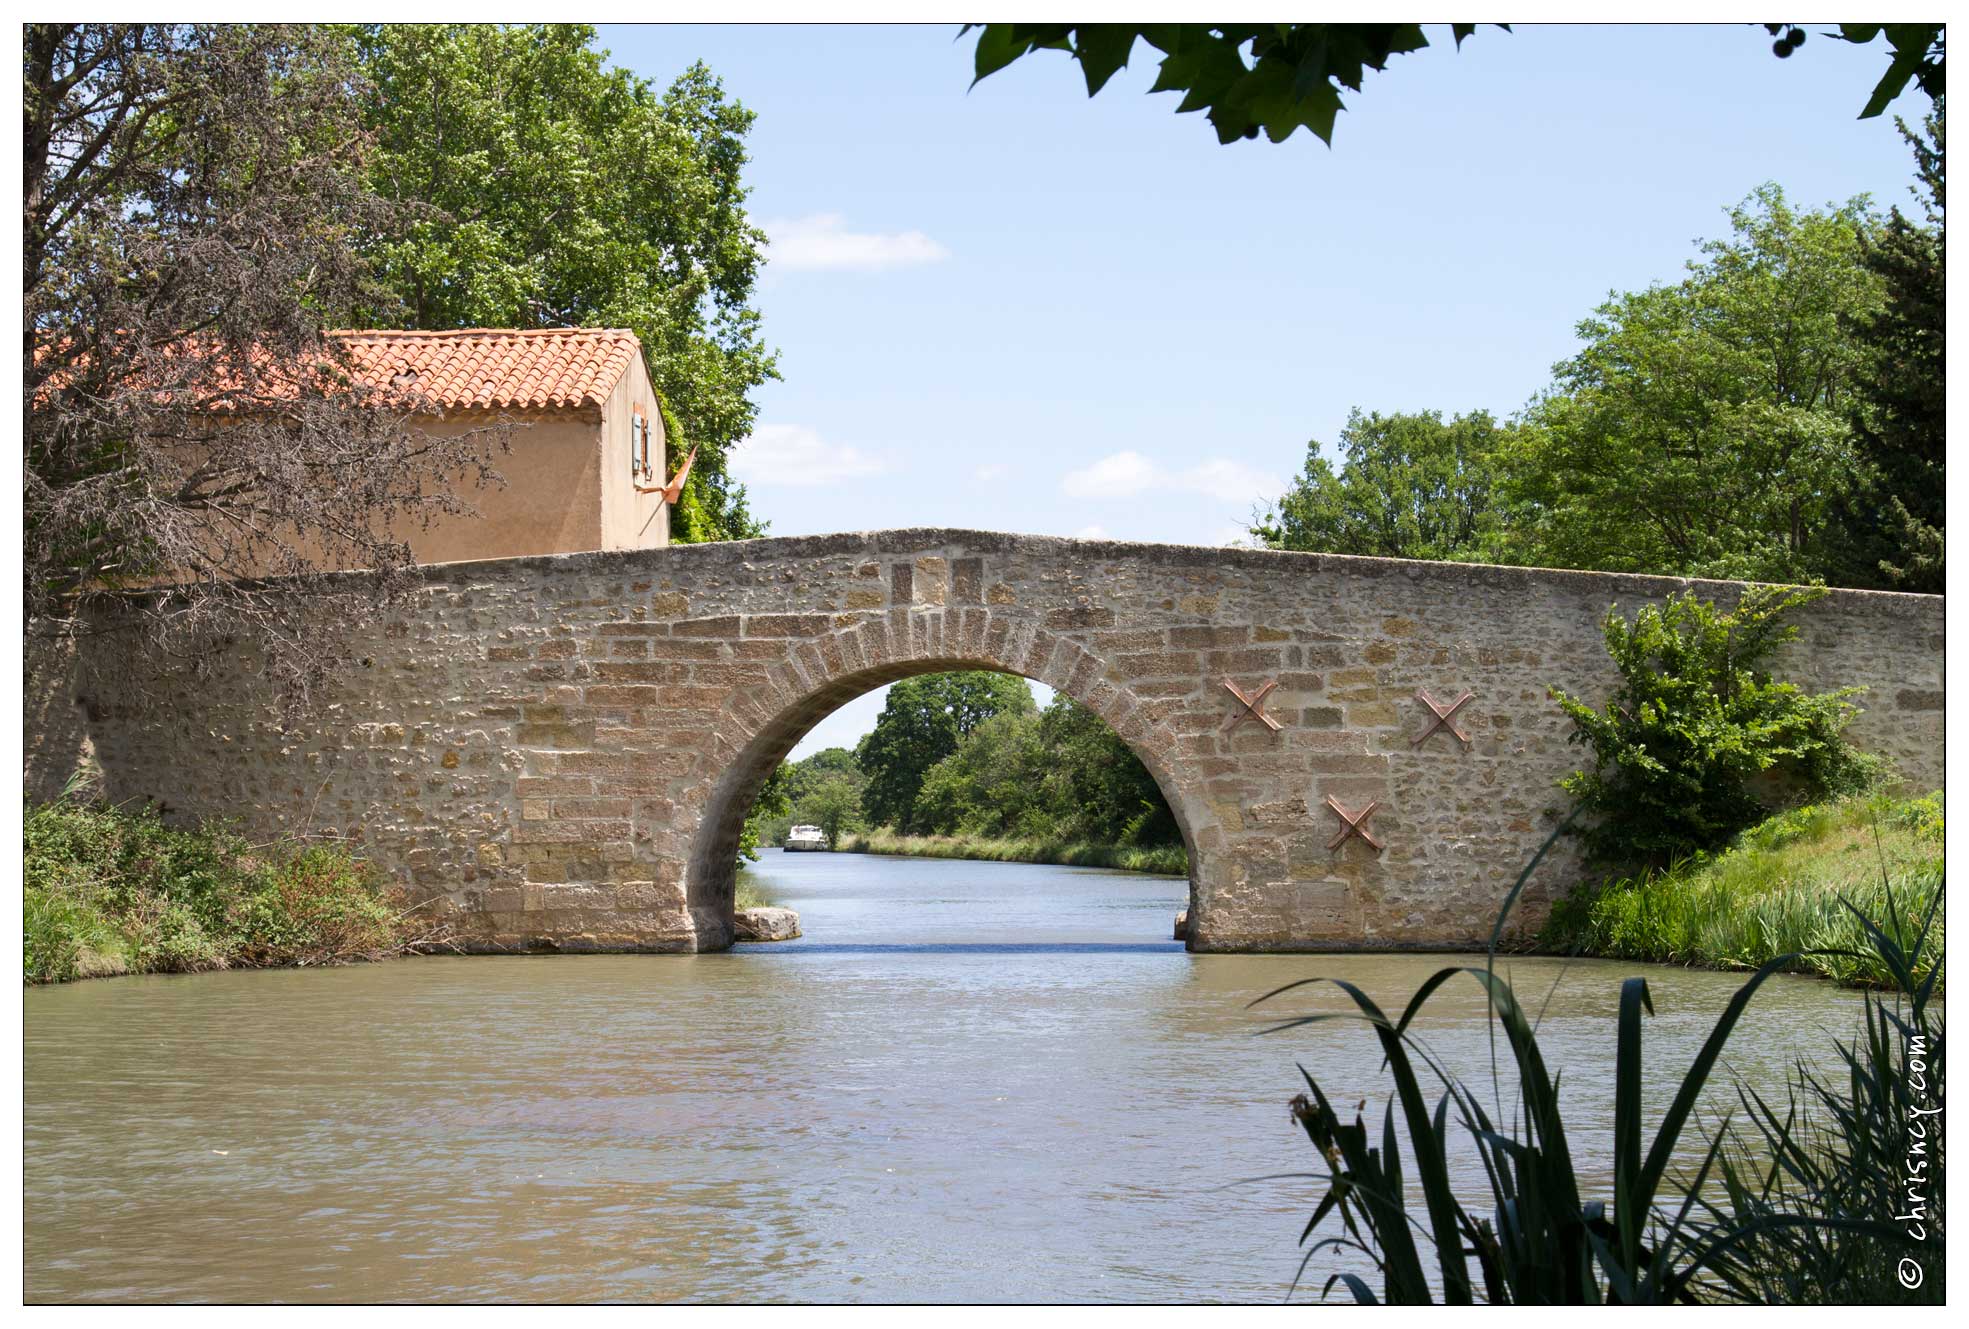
x=966, y=1082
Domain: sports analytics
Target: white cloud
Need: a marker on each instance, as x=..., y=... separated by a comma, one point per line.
x=822, y=243
x=1091, y=533
x=1121, y=475
x=990, y=471
x=797, y=455
x=1230, y=481
x=1125, y=474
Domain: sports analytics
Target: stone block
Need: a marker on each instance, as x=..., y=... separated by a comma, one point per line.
x=765, y=923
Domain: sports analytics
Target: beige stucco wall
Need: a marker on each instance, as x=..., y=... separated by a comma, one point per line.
x=568, y=487
x=629, y=519
x=560, y=751
x=549, y=503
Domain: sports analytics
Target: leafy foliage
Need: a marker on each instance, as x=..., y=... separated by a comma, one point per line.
x=820, y=790
x=1293, y=80
x=552, y=190
x=834, y=805
x=1538, y=1240
x=1892, y=520
x=111, y=890
x=1918, y=55
x=772, y=802
x=1697, y=722
x=1058, y=776
x=1706, y=427
x=920, y=725
x=1777, y=415
x=1098, y=786
x=1411, y=486
x=1279, y=77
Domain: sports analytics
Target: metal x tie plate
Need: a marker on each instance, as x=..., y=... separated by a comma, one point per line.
x=1443, y=714
x=1356, y=823
x=1254, y=705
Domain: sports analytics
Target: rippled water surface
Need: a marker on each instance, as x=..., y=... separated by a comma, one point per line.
x=968, y=1081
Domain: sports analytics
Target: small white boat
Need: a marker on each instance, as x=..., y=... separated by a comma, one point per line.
x=802, y=839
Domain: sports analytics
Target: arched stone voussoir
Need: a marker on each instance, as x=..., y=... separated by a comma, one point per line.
x=841, y=666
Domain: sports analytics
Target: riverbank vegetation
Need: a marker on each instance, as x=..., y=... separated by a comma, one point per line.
x=1790, y=885
x=1728, y=820
x=114, y=890
x=747, y=894
x=965, y=765
x=1170, y=860
x=1830, y=1196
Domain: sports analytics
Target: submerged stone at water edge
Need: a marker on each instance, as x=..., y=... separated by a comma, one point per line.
x=766, y=923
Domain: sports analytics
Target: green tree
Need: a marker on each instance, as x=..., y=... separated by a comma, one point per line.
x=774, y=801
x=834, y=805
x=1683, y=749
x=1706, y=426
x=554, y=190
x=920, y=725
x=1061, y=774
x=805, y=775
x=1099, y=784
x=992, y=784
x=1410, y=486
x=1279, y=77
x=1892, y=523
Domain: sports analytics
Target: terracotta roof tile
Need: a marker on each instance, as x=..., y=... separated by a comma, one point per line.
x=496, y=368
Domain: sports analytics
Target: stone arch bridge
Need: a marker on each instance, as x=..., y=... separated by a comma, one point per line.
x=559, y=752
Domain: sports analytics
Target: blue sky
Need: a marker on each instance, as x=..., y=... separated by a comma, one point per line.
x=1020, y=309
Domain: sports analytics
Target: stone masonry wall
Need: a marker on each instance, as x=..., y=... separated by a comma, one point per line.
x=559, y=752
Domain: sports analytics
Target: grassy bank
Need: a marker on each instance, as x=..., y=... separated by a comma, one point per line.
x=1169, y=860
x=746, y=893
x=113, y=890
x=1775, y=890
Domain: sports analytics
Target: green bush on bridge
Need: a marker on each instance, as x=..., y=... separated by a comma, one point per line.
x=1699, y=736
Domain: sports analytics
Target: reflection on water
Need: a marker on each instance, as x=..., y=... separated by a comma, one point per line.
x=968, y=1081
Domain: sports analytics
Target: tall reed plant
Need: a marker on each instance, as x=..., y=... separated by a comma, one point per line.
x=1849, y=1149
x=1535, y=1237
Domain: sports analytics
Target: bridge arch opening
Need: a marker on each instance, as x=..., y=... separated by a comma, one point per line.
x=713, y=867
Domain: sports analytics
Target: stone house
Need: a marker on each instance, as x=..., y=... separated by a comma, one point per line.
x=586, y=471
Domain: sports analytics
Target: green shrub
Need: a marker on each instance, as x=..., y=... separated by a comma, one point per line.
x=312, y=907
x=65, y=937
x=112, y=890
x=1698, y=726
